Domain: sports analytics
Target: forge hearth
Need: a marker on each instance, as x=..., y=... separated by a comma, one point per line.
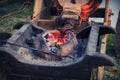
x=57, y=43
x=69, y=52
x=25, y=61
x=65, y=43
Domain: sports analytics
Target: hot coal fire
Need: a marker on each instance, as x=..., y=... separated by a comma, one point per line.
x=57, y=37
x=58, y=42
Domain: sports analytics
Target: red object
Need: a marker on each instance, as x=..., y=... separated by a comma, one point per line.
x=58, y=38
x=86, y=9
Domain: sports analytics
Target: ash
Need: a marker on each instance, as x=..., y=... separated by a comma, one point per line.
x=73, y=47
x=29, y=56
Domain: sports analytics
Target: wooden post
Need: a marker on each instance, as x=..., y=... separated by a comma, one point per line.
x=104, y=39
x=38, y=4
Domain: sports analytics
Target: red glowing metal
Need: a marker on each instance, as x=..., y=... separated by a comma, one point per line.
x=58, y=38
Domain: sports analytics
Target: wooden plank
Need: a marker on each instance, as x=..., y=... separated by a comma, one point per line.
x=47, y=24
x=38, y=4
x=103, y=50
x=104, y=41
x=81, y=2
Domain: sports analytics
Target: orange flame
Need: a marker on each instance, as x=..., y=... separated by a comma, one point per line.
x=57, y=37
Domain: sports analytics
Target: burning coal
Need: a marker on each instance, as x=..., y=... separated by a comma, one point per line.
x=56, y=42
x=57, y=38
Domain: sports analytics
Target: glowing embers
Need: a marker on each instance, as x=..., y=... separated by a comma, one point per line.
x=57, y=38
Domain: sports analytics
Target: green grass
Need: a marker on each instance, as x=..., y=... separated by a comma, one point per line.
x=112, y=73
x=7, y=23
